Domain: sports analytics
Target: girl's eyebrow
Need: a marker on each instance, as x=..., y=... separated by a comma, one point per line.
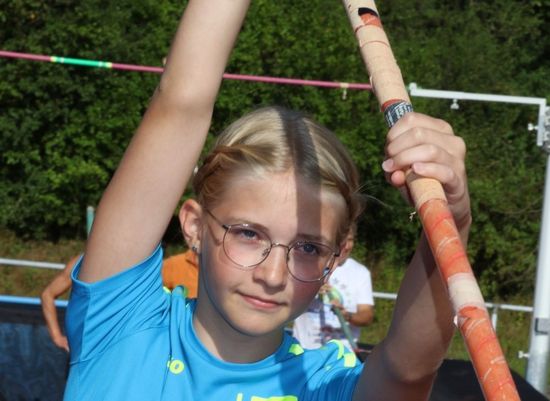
x=314, y=238
x=242, y=220
x=253, y=224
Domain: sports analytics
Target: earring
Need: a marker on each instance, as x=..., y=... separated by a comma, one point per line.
x=194, y=249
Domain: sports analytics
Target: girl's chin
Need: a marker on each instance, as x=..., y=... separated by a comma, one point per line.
x=258, y=325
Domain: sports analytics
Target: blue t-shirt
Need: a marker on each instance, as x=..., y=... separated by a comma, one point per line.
x=131, y=339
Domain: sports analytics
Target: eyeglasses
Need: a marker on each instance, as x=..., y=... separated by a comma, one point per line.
x=247, y=247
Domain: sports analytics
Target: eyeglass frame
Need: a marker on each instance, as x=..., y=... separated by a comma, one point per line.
x=227, y=228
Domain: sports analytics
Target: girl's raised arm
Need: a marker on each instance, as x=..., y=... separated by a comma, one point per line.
x=404, y=365
x=140, y=199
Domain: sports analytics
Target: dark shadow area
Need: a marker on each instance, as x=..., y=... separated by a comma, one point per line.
x=457, y=381
x=32, y=368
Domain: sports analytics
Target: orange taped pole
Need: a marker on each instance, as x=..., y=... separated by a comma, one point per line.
x=472, y=318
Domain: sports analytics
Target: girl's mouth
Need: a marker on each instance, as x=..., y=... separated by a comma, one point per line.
x=261, y=303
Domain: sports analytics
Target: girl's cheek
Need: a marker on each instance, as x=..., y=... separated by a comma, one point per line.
x=304, y=293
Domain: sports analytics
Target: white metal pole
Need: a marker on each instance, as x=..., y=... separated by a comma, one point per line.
x=540, y=341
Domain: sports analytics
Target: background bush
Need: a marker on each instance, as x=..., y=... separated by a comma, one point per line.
x=63, y=128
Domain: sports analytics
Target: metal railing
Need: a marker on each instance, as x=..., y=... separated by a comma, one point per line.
x=492, y=306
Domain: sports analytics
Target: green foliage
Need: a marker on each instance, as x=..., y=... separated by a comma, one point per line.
x=64, y=128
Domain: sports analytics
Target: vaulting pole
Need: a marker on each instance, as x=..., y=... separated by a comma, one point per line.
x=472, y=317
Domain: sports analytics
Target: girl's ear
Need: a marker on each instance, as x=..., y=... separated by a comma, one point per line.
x=190, y=216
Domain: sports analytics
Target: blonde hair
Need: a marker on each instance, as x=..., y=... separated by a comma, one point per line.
x=275, y=139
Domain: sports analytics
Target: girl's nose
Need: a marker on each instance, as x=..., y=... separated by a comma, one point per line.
x=273, y=271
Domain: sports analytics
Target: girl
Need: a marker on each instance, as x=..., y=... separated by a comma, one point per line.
x=275, y=200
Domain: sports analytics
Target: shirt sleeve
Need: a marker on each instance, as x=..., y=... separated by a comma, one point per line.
x=100, y=314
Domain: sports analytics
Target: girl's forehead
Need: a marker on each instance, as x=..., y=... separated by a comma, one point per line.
x=282, y=201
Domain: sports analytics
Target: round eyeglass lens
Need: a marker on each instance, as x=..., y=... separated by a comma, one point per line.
x=246, y=246
x=310, y=261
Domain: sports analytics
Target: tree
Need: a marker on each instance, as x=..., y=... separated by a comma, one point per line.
x=64, y=128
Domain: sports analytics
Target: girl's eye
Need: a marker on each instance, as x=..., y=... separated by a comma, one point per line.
x=308, y=248
x=245, y=234
x=249, y=234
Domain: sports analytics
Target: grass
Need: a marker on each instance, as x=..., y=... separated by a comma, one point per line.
x=512, y=329
x=23, y=281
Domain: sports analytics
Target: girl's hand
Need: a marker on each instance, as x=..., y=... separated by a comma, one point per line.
x=429, y=147
x=62, y=342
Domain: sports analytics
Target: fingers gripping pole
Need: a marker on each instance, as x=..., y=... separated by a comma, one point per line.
x=429, y=198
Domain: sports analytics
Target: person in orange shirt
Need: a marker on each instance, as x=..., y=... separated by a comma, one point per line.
x=181, y=269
